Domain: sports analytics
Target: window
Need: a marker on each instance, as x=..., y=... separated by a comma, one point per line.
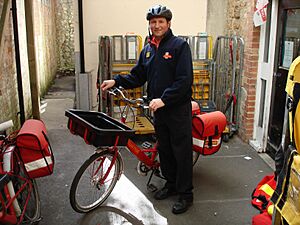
x=267, y=33
x=262, y=102
x=290, y=47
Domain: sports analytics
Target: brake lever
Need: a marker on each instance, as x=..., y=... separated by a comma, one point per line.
x=121, y=92
x=143, y=103
x=112, y=93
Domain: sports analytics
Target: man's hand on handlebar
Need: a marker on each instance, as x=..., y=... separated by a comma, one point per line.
x=107, y=84
x=139, y=102
x=156, y=104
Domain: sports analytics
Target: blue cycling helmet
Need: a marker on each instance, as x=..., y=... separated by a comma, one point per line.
x=159, y=11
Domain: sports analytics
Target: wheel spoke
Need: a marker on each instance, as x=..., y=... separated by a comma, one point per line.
x=94, y=181
x=28, y=198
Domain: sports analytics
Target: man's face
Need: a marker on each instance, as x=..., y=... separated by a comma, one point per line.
x=159, y=26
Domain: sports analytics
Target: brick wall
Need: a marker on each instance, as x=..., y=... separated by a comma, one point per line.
x=240, y=22
x=45, y=36
x=8, y=82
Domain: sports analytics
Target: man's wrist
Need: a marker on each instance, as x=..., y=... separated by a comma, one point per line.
x=116, y=83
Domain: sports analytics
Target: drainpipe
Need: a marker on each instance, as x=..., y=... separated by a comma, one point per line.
x=34, y=83
x=83, y=78
x=18, y=61
x=81, y=38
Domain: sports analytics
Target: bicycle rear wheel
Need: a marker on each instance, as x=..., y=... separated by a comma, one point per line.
x=89, y=188
x=28, y=199
x=33, y=209
x=195, y=157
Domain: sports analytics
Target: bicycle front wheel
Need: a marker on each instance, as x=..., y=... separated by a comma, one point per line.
x=90, y=188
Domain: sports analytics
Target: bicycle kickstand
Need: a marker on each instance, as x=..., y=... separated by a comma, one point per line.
x=151, y=187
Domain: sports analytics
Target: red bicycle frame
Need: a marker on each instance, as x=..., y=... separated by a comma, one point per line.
x=141, y=154
x=8, y=214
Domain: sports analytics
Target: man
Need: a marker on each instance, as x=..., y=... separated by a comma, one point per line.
x=166, y=64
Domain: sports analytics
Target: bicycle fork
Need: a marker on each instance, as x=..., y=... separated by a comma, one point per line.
x=116, y=153
x=99, y=167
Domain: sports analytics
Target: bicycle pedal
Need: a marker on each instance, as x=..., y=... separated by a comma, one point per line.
x=146, y=145
x=151, y=187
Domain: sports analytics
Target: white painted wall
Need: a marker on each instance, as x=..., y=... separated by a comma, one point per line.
x=216, y=18
x=119, y=17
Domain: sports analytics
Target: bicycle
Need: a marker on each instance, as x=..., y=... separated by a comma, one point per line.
x=19, y=197
x=97, y=177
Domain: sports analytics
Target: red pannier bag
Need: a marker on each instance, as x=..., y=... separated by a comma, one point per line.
x=34, y=149
x=262, y=219
x=207, y=132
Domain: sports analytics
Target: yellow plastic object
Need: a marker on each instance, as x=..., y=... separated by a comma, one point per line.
x=293, y=78
x=267, y=189
x=201, y=84
x=291, y=209
x=270, y=209
x=141, y=125
x=297, y=128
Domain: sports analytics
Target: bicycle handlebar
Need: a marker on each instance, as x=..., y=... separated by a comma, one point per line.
x=137, y=103
x=142, y=103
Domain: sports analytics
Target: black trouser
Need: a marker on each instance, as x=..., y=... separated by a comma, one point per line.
x=173, y=127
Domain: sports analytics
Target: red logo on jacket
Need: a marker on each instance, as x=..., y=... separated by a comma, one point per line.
x=167, y=55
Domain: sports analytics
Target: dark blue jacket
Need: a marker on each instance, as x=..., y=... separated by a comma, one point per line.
x=168, y=71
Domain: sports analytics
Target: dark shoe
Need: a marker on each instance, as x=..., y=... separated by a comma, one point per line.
x=182, y=205
x=164, y=193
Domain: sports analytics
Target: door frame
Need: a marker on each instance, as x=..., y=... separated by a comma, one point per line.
x=265, y=71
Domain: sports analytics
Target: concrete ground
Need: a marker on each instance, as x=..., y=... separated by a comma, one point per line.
x=223, y=182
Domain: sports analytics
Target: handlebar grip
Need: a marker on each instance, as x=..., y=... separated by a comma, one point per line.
x=7, y=124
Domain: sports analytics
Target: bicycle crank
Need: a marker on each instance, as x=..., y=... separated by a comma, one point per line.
x=142, y=169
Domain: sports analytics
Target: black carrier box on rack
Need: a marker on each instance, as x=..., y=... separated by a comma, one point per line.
x=206, y=106
x=97, y=128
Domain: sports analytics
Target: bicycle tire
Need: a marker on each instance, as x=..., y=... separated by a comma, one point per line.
x=86, y=192
x=195, y=157
x=32, y=213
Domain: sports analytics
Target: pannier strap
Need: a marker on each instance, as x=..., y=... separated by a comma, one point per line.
x=50, y=149
x=210, y=138
x=216, y=130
